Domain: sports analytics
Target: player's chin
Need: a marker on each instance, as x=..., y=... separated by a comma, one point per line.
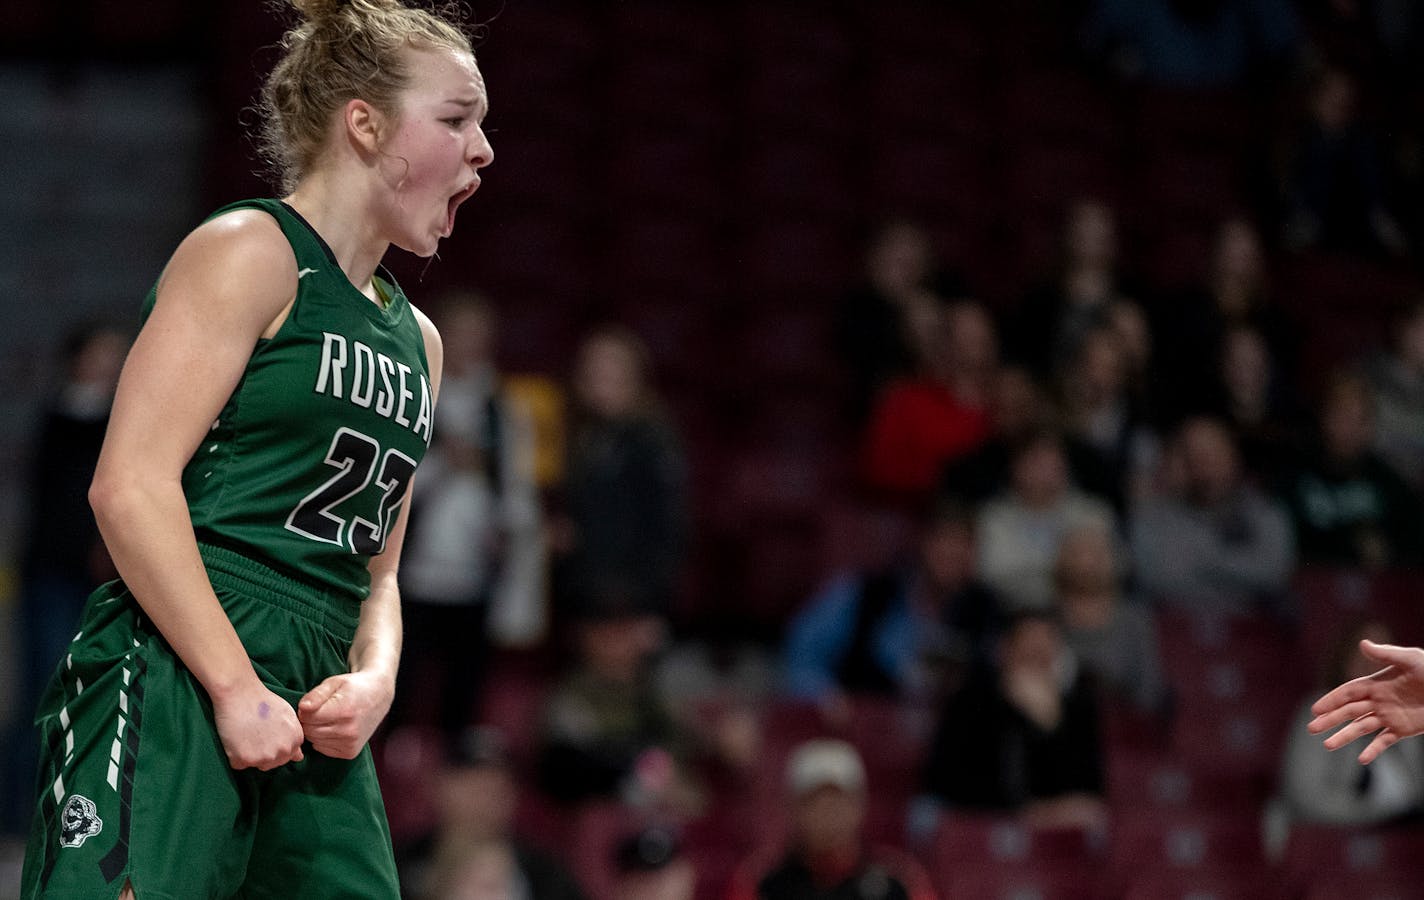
x=424, y=247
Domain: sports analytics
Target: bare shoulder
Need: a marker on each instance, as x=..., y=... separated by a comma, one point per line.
x=434, y=349
x=238, y=264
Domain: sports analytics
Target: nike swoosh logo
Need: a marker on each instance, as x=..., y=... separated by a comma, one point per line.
x=304, y=273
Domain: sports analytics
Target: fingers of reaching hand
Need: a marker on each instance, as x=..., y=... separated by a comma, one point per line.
x=1366, y=724
x=1390, y=653
x=1382, y=742
x=1327, y=717
x=1349, y=692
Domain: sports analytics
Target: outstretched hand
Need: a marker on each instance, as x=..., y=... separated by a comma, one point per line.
x=340, y=714
x=1388, y=704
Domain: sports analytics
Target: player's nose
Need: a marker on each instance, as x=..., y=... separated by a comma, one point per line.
x=481, y=152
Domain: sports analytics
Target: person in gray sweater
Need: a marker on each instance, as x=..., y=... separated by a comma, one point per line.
x=1020, y=530
x=1112, y=637
x=1210, y=540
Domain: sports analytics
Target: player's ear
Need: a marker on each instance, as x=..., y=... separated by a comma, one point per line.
x=364, y=124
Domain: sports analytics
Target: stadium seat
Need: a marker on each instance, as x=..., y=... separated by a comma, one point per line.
x=921, y=97
x=1038, y=882
x=930, y=178
x=1317, y=852
x=1242, y=743
x=795, y=260
x=963, y=840
x=1139, y=780
x=1189, y=841
x=660, y=258
x=798, y=94
x=1403, y=885
x=1060, y=108
x=667, y=172
x=1225, y=884
x=803, y=176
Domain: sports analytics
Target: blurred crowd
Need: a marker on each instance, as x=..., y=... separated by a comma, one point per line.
x=1120, y=534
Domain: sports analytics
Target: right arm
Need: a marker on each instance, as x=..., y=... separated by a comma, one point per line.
x=228, y=284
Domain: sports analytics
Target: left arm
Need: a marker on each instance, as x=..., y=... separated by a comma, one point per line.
x=340, y=714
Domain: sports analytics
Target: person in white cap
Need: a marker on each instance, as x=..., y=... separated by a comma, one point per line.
x=826, y=855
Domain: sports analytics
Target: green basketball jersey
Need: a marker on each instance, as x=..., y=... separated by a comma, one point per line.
x=308, y=464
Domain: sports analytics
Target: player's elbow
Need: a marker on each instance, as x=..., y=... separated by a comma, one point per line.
x=104, y=494
x=114, y=494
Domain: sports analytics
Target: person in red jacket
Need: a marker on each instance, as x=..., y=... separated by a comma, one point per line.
x=921, y=423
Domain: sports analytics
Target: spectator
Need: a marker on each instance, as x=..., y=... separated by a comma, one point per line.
x=1398, y=380
x=1055, y=316
x=1253, y=398
x=606, y=732
x=650, y=865
x=901, y=631
x=474, y=546
x=877, y=321
x=1349, y=507
x=1210, y=540
x=921, y=424
x=1128, y=322
x=1102, y=413
x=1019, y=409
x=1114, y=639
x=63, y=558
x=1234, y=294
x=827, y=856
x=1318, y=785
x=1023, y=737
x=1335, y=180
x=625, y=532
x=473, y=852
x=1019, y=532
x=1192, y=43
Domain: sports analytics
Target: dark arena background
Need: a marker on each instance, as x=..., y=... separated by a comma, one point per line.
x=1027, y=394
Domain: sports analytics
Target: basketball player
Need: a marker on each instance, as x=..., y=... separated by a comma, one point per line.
x=205, y=734
x=1388, y=704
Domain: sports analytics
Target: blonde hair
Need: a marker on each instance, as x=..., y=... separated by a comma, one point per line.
x=343, y=49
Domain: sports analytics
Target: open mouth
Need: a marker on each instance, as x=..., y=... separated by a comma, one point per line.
x=454, y=204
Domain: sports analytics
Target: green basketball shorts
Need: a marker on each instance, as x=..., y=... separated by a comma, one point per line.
x=134, y=785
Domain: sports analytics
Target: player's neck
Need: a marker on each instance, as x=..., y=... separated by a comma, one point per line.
x=338, y=213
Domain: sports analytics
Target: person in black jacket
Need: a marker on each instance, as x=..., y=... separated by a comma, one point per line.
x=625, y=525
x=1022, y=736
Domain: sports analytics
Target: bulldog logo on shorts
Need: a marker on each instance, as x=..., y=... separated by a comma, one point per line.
x=79, y=821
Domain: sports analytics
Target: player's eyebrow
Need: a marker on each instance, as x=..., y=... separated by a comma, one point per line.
x=471, y=103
